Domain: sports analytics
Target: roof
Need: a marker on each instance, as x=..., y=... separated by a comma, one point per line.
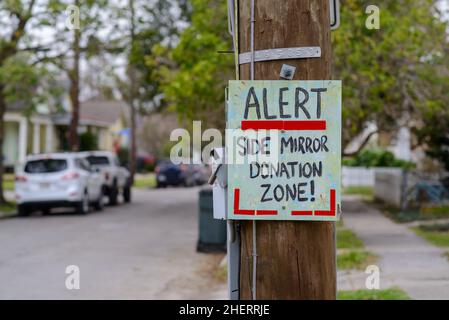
x=99, y=109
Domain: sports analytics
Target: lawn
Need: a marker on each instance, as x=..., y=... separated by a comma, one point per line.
x=437, y=234
x=350, y=253
x=8, y=208
x=366, y=192
x=145, y=181
x=355, y=259
x=386, y=294
x=8, y=181
x=346, y=239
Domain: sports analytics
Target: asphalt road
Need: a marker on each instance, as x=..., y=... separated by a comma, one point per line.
x=142, y=250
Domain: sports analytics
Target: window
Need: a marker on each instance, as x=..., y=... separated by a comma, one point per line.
x=83, y=164
x=46, y=166
x=98, y=160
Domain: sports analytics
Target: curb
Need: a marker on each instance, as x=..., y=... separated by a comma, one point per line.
x=7, y=215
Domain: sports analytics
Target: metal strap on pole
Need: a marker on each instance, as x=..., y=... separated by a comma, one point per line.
x=280, y=54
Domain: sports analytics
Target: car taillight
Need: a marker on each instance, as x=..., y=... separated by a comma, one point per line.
x=157, y=169
x=70, y=176
x=20, y=179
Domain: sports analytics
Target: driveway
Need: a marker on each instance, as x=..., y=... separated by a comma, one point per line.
x=142, y=250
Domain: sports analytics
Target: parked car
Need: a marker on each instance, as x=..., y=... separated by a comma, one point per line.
x=201, y=173
x=116, y=177
x=170, y=174
x=57, y=180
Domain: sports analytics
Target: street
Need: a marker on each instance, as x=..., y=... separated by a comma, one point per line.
x=142, y=250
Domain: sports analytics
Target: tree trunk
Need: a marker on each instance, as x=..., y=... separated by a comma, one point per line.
x=2, y=132
x=74, y=77
x=132, y=99
x=295, y=260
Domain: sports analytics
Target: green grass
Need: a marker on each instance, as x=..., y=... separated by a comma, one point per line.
x=435, y=211
x=8, y=181
x=432, y=235
x=363, y=191
x=346, y=239
x=145, y=181
x=350, y=254
x=355, y=259
x=366, y=193
x=386, y=294
x=8, y=208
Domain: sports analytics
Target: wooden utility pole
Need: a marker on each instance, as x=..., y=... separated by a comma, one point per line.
x=295, y=260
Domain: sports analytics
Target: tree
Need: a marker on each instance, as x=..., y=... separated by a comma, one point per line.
x=77, y=24
x=148, y=23
x=18, y=76
x=394, y=75
x=434, y=135
x=195, y=80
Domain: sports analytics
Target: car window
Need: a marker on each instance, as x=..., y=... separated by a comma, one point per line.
x=45, y=166
x=98, y=160
x=83, y=164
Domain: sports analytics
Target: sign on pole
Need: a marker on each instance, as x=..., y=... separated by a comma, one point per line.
x=284, y=150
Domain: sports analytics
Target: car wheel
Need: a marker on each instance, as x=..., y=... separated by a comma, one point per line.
x=99, y=204
x=23, y=211
x=127, y=193
x=46, y=211
x=113, y=195
x=83, y=206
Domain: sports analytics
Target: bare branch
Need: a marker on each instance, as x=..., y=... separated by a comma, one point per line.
x=362, y=145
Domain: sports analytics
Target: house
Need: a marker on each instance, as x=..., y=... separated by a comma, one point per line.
x=103, y=117
x=45, y=131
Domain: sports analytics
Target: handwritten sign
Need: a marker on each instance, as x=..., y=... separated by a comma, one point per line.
x=284, y=150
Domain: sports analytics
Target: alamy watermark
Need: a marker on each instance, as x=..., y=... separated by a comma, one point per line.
x=372, y=281
x=72, y=281
x=72, y=21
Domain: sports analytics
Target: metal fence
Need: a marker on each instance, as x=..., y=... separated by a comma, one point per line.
x=407, y=189
x=357, y=176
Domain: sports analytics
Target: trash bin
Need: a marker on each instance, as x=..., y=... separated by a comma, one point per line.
x=212, y=232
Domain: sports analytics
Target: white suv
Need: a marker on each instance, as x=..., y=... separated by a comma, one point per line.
x=57, y=180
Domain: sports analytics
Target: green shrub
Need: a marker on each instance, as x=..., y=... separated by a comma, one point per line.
x=376, y=158
x=88, y=141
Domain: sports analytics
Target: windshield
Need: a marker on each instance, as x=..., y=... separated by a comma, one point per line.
x=45, y=166
x=98, y=160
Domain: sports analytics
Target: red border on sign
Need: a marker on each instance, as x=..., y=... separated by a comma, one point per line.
x=239, y=211
x=331, y=212
x=333, y=205
x=316, y=125
x=249, y=212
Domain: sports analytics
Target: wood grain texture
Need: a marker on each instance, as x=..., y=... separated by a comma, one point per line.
x=296, y=260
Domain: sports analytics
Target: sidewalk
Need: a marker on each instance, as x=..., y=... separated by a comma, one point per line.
x=406, y=260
